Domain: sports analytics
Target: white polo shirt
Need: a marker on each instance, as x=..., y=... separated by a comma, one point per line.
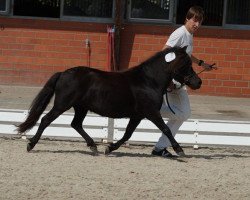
x=180, y=38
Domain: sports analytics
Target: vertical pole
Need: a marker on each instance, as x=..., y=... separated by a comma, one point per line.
x=110, y=130
x=119, y=6
x=109, y=49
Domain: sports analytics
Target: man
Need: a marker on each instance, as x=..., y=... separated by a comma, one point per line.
x=178, y=97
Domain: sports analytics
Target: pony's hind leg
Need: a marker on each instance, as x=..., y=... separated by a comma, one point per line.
x=45, y=122
x=133, y=123
x=76, y=123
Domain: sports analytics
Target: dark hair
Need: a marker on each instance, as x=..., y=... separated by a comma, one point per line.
x=197, y=12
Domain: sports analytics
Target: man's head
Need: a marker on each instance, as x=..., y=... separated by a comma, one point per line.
x=194, y=18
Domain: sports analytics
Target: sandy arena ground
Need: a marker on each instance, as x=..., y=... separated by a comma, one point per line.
x=67, y=170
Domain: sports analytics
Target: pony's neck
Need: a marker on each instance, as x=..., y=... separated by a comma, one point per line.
x=159, y=73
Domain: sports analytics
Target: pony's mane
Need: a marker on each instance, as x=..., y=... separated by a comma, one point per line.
x=155, y=56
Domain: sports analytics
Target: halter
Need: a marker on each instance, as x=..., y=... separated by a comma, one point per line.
x=210, y=66
x=186, y=79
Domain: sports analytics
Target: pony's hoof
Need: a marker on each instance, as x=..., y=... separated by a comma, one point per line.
x=107, y=151
x=179, y=151
x=94, y=150
x=181, y=154
x=30, y=147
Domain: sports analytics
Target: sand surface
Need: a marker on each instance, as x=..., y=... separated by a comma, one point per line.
x=67, y=170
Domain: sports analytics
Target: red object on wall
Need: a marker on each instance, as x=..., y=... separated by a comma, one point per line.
x=88, y=55
x=111, y=49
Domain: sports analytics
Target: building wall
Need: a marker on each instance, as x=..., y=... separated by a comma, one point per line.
x=31, y=50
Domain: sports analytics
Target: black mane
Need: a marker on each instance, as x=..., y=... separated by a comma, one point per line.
x=159, y=54
x=149, y=61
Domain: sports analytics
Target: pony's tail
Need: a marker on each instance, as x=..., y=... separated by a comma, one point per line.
x=39, y=104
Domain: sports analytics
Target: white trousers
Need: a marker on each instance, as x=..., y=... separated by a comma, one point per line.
x=179, y=102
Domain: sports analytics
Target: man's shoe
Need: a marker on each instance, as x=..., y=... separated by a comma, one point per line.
x=163, y=153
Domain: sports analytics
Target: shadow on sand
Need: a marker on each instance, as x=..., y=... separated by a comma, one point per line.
x=146, y=155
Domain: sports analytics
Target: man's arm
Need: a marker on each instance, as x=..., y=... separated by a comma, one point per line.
x=201, y=63
x=195, y=60
x=166, y=47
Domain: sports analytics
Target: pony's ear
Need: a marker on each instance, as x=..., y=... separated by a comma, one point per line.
x=170, y=57
x=184, y=48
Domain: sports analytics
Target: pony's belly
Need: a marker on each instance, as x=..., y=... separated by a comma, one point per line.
x=114, y=111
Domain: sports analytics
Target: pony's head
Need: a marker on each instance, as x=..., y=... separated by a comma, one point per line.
x=181, y=67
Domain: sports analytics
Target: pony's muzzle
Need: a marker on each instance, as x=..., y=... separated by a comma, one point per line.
x=194, y=84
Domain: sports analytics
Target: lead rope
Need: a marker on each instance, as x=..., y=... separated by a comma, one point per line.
x=211, y=66
x=168, y=103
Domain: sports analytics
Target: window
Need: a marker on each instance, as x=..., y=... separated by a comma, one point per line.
x=213, y=11
x=151, y=10
x=64, y=8
x=88, y=8
x=4, y=6
x=222, y=13
x=238, y=12
x=37, y=8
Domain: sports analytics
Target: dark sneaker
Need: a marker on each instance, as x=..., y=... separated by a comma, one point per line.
x=163, y=153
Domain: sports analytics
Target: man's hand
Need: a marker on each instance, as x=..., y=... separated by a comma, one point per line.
x=171, y=87
x=208, y=67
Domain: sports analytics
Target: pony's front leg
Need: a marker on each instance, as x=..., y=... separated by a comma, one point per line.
x=133, y=123
x=80, y=114
x=159, y=122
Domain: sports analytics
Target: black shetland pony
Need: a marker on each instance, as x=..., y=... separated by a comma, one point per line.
x=136, y=93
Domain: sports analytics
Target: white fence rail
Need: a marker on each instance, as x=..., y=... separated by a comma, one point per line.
x=193, y=131
x=94, y=124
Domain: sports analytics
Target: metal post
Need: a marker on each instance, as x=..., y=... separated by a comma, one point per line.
x=110, y=130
